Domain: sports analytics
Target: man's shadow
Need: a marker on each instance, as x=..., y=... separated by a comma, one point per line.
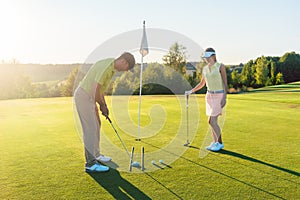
x=117, y=186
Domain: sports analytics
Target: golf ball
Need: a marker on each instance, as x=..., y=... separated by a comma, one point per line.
x=152, y=162
x=161, y=161
x=135, y=164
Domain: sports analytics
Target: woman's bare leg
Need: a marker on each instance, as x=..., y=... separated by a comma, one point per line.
x=213, y=121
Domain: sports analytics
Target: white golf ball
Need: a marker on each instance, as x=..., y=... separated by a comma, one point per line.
x=152, y=162
x=135, y=164
x=161, y=161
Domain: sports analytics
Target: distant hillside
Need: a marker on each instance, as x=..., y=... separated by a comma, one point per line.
x=38, y=72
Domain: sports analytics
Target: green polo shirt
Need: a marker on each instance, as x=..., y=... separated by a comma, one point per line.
x=101, y=72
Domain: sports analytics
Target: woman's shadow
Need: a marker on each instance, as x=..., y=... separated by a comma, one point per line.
x=238, y=155
x=116, y=185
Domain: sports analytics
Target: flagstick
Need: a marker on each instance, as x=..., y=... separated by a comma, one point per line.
x=144, y=52
x=140, y=102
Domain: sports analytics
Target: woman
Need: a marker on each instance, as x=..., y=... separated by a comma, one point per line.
x=215, y=79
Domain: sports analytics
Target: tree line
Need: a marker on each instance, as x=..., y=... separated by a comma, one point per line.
x=170, y=77
x=35, y=81
x=267, y=71
x=264, y=71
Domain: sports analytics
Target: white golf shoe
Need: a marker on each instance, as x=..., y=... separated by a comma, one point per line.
x=217, y=146
x=210, y=146
x=103, y=158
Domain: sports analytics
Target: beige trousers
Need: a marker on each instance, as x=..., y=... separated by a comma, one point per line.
x=90, y=123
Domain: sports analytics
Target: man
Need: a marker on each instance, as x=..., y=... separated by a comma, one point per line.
x=89, y=93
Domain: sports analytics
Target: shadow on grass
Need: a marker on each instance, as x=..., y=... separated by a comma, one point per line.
x=238, y=155
x=157, y=181
x=217, y=171
x=193, y=147
x=117, y=186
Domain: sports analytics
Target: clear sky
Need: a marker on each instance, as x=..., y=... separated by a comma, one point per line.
x=67, y=31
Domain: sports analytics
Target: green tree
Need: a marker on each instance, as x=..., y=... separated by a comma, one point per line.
x=127, y=83
x=235, y=79
x=157, y=79
x=23, y=88
x=262, y=71
x=154, y=73
x=42, y=90
x=68, y=86
x=175, y=81
x=289, y=66
x=246, y=75
x=279, y=79
x=122, y=86
x=176, y=58
x=272, y=72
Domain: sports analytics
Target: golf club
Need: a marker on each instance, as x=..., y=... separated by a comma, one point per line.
x=134, y=164
x=118, y=135
x=187, y=120
x=131, y=159
x=143, y=159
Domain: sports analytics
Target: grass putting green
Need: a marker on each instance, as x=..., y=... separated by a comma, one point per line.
x=42, y=155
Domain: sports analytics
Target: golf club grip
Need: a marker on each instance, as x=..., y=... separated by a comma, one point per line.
x=187, y=100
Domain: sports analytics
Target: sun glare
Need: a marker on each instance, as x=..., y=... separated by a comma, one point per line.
x=11, y=26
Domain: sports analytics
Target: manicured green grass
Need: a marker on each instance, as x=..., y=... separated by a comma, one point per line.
x=290, y=87
x=42, y=155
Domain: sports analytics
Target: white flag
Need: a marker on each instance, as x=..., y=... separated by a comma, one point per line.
x=144, y=44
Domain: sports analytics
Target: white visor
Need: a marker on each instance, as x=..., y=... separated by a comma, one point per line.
x=208, y=54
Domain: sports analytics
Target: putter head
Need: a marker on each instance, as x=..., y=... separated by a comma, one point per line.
x=186, y=144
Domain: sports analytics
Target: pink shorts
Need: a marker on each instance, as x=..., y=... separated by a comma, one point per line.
x=213, y=104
